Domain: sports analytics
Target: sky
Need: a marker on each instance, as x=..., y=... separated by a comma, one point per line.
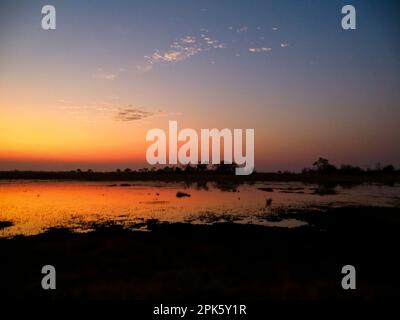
x=85, y=95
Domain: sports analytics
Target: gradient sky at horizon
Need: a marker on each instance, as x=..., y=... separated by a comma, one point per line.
x=85, y=94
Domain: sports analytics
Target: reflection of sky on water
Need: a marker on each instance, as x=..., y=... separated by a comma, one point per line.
x=35, y=206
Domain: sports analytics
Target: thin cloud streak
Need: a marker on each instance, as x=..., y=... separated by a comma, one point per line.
x=181, y=49
x=132, y=114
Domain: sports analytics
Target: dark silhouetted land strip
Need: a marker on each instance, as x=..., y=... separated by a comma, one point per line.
x=322, y=171
x=232, y=261
x=203, y=177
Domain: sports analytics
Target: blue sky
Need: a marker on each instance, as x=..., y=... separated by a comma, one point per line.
x=285, y=68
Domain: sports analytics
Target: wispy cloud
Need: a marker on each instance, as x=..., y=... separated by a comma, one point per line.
x=192, y=45
x=108, y=75
x=111, y=109
x=132, y=114
x=181, y=49
x=243, y=29
x=145, y=67
x=212, y=43
x=178, y=51
x=258, y=50
x=102, y=75
x=99, y=108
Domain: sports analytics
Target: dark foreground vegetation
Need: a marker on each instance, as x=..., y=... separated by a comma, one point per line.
x=225, y=260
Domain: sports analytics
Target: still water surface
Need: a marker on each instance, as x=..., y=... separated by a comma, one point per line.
x=34, y=206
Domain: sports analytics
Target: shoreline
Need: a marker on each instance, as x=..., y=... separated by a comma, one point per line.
x=343, y=179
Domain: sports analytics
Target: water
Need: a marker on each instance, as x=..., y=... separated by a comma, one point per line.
x=34, y=206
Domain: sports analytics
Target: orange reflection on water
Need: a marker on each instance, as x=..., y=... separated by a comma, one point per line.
x=34, y=206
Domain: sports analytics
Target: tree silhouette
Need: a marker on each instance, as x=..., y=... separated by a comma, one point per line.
x=349, y=169
x=189, y=169
x=225, y=168
x=201, y=167
x=323, y=166
x=388, y=169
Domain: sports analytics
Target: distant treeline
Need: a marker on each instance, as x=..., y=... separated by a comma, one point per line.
x=320, y=172
x=322, y=166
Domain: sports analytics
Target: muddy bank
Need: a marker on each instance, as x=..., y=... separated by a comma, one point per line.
x=221, y=261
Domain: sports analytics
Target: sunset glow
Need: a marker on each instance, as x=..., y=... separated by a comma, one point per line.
x=84, y=95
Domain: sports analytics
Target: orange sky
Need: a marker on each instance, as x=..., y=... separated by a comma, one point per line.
x=86, y=93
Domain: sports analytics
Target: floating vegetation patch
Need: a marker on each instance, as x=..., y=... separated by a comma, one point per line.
x=182, y=194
